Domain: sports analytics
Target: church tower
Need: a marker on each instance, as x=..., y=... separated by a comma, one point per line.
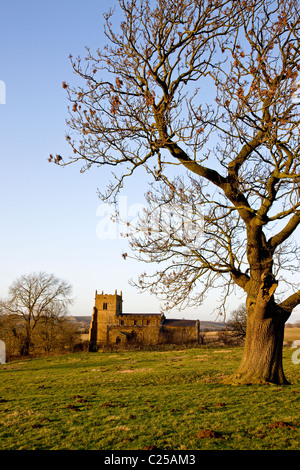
x=106, y=310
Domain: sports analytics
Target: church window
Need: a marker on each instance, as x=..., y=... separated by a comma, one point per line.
x=105, y=306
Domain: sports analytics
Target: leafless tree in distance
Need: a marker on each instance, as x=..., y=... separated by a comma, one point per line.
x=35, y=297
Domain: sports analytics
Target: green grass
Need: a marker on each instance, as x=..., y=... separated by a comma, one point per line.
x=128, y=400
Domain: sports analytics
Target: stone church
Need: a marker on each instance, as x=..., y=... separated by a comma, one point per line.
x=111, y=327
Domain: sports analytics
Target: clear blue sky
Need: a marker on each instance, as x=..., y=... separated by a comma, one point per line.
x=49, y=214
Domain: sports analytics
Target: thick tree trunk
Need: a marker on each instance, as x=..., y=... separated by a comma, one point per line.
x=262, y=358
x=26, y=345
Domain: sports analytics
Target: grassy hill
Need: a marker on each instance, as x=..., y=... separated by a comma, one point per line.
x=133, y=399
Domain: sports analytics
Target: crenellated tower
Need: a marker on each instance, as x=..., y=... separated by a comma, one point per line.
x=106, y=310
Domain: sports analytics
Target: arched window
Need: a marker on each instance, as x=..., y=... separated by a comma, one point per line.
x=132, y=337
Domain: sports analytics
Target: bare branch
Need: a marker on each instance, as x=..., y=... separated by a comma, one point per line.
x=210, y=88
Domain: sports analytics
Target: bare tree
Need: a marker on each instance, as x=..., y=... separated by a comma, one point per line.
x=55, y=332
x=238, y=322
x=34, y=297
x=237, y=136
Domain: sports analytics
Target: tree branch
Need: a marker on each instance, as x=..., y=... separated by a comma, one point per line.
x=286, y=232
x=241, y=279
x=291, y=302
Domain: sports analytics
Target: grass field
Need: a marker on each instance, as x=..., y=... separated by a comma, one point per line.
x=129, y=400
x=291, y=334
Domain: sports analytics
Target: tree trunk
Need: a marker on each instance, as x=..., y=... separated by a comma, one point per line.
x=262, y=358
x=26, y=345
x=25, y=348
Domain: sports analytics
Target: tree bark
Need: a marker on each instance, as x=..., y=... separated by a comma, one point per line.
x=262, y=357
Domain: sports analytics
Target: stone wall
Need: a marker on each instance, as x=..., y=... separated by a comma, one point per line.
x=179, y=334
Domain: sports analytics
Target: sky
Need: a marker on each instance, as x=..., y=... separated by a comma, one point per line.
x=51, y=217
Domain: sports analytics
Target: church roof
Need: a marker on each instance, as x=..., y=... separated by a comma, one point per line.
x=179, y=323
x=142, y=314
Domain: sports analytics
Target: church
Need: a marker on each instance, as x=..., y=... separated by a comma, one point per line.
x=111, y=327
